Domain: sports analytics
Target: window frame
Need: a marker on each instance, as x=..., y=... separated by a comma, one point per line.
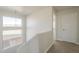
x=12, y=28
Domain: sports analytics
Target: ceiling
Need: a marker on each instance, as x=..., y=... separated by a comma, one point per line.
x=60, y=8
x=25, y=10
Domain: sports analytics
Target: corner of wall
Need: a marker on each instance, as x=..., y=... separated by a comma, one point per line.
x=50, y=45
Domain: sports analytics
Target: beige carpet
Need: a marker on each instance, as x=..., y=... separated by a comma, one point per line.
x=64, y=47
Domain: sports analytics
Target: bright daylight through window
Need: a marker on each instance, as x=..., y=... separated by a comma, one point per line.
x=12, y=32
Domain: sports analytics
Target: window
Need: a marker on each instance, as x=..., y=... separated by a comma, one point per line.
x=12, y=32
x=11, y=22
x=12, y=36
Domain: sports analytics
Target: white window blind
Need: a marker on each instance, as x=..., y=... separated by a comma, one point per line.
x=12, y=36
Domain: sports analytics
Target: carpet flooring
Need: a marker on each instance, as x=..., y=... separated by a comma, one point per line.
x=64, y=47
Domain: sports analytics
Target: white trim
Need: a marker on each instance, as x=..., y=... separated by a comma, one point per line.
x=49, y=46
x=76, y=43
x=69, y=41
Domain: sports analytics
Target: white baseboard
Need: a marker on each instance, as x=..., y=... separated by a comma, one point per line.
x=49, y=47
x=71, y=42
x=76, y=43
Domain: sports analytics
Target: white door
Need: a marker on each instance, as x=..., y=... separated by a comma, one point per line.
x=67, y=27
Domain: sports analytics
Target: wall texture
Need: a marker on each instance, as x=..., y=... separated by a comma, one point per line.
x=40, y=24
x=67, y=25
x=39, y=31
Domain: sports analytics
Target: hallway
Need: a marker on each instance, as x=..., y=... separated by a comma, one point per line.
x=64, y=47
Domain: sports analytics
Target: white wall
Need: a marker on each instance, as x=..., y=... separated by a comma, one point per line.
x=70, y=26
x=78, y=25
x=39, y=22
x=0, y=34
x=39, y=30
